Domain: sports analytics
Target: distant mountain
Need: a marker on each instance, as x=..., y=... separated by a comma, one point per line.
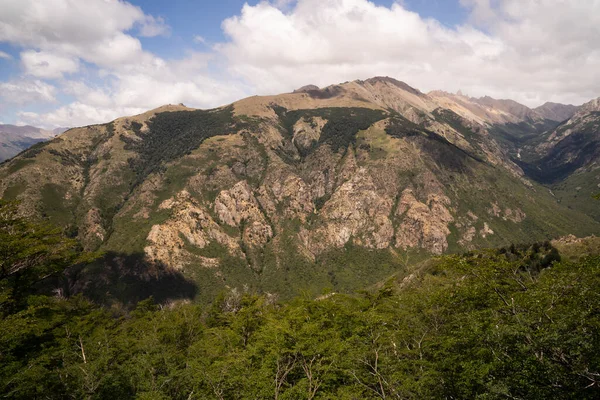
x=567, y=159
x=557, y=112
x=306, y=189
x=14, y=139
x=486, y=110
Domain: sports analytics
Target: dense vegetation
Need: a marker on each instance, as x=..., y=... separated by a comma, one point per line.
x=343, y=123
x=172, y=135
x=511, y=323
x=442, y=152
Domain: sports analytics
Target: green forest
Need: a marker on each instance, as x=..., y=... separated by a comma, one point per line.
x=522, y=322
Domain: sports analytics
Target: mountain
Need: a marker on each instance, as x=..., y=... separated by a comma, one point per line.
x=567, y=159
x=486, y=110
x=14, y=139
x=556, y=112
x=310, y=189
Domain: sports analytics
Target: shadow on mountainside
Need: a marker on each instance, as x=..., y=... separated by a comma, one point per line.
x=125, y=279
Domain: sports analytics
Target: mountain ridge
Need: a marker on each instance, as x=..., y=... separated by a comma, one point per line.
x=556, y=111
x=16, y=138
x=308, y=187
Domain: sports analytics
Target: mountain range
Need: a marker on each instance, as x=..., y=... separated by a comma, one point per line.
x=14, y=139
x=323, y=187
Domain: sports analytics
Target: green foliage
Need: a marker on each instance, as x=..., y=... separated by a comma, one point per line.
x=578, y=192
x=54, y=205
x=37, y=148
x=343, y=123
x=13, y=191
x=29, y=254
x=511, y=323
x=574, y=152
x=455, y=121
x=172, y=135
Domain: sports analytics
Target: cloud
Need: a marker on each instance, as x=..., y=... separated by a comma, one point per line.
x=23, y=91
x=5, y=56
x=47, y=65
x=327, y=41
x=152, y=26
x=75, y=114
x=283, y=4
x=93, y=30
x=140, y=88
x=532, y=51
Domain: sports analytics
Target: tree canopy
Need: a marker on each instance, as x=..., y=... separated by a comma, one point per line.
x=510, y=323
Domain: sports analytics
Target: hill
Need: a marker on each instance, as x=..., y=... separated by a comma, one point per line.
x=283, y=193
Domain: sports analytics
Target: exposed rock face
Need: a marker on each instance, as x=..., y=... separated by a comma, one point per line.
x=188, y=223
x=486, y=230
x=237, y=207
x=355, y=211
x=423, y=225
x=93, y=230
x=468, y=236
x=585, y=116
x=307, y=132
x=516, y=215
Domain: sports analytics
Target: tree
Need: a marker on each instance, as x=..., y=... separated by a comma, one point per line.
x=30, y=253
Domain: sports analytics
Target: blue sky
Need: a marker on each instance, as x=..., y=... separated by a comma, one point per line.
x=60, y=67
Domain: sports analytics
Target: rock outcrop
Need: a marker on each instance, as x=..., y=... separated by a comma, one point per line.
x=239, y=208
x=423, y=225
x=189, y=225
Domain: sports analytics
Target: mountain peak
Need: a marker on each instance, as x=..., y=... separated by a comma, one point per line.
x=556, y=111
x=306, y=88
x=591, y=106
x=395, y=82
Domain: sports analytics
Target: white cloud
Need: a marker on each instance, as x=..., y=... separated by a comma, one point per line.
x=75, y=114
x=27, y=91
x=138, y=89
x=47, y=65
x=93, y=30
x=5, y=56
x=283, y=4
x=93, y=96
x=531, y=50
x=152, y=26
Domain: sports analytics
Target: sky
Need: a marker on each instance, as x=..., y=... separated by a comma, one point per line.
x=79, y=62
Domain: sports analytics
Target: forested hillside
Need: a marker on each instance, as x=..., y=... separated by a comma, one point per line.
x=518, y=322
